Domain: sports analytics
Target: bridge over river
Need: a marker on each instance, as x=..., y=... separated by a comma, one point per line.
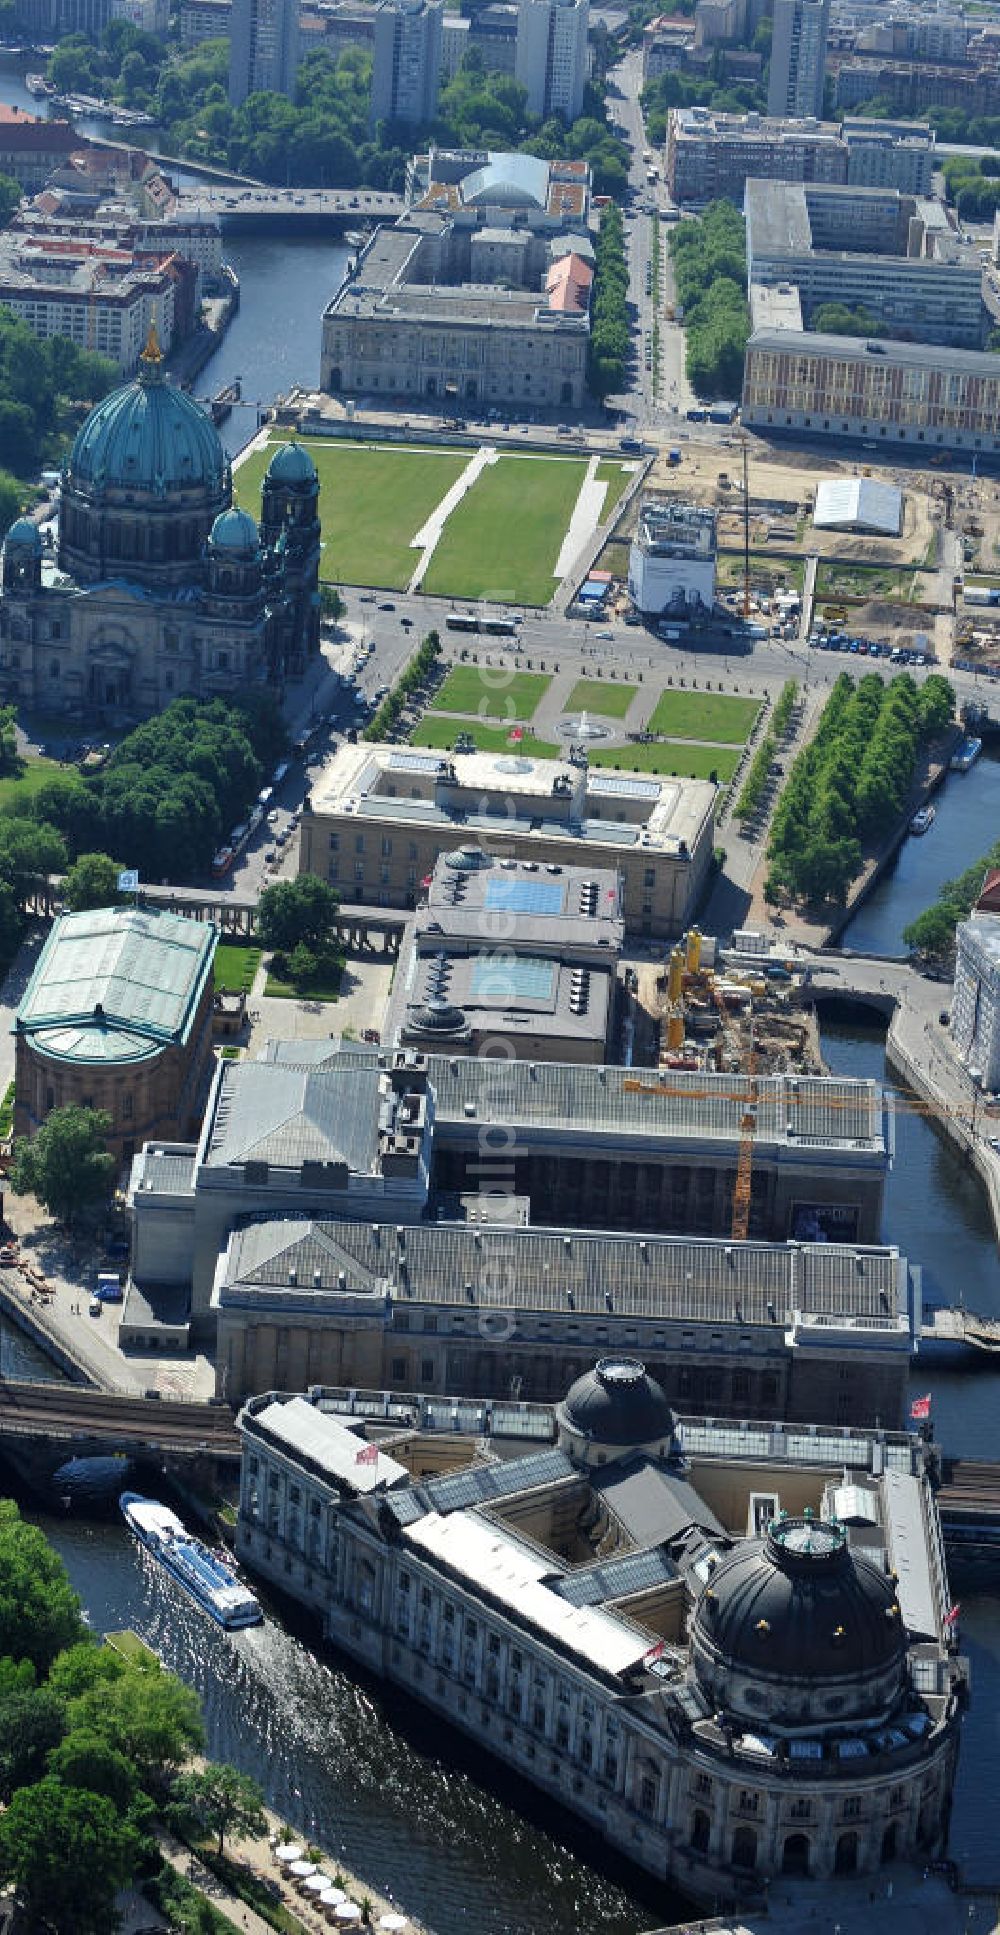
x=248, y=209
x=75, y=1418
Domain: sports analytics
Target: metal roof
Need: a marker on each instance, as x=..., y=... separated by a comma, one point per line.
x=510, y=180
x=618, y=1578
x=284, y=1115
x=496, y=1566
x=667, y=1279
x=858, y=504
x=791, y=1110
x=319, y=1436
x=653, y=1505
x=116, y=984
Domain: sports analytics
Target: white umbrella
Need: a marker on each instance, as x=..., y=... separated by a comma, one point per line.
x=302, y=1869
x=348, y=1912
x=288, y=1851
x=393, y=1923
x=317, y=1883
x=332, y=1897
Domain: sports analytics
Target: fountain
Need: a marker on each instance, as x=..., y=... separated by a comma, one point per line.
x=580, y=727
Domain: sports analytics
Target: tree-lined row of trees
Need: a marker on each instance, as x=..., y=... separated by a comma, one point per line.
x=851, y=783
x=413, y=676
x=609, y=322
x=710, y=272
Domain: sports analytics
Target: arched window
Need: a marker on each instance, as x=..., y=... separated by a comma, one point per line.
x=744, y=1848
x=795, y=1855
x=846, y=1857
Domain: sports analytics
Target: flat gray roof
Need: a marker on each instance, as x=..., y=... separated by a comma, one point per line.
x=854, y=349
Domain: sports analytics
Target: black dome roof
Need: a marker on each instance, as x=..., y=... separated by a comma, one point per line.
x=800, y=1606
x=441, y=1017
x=617, y=1403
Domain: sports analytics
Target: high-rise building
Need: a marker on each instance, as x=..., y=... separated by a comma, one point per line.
x=406, y=69
x=551, y=56
x=263, y=48
x=798, y=57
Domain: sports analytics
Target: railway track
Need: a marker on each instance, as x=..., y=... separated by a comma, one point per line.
x=78, y=1414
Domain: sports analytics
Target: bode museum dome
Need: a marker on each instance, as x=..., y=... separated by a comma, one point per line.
x=158, y=588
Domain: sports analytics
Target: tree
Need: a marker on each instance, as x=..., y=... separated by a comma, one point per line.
x=223, y=1801
x=303, y=965
x=10, y=198
x=148, y=1715
x=31, y=1724
x=297, y=910
x=92, y=881
x=65, y=1164
x=331, y=603
x=11, y=494
x=84, y=1759
x=39, y=1611
x=68, y=1853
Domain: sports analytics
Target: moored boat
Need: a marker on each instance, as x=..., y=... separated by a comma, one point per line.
x=965, y=755
x=204, y=1575
x=923, y=819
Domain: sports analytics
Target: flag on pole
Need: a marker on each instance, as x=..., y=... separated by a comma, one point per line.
x=516, y=733
x=951, y=1615
x=128, y=881
x=921, y=1407
x=655, y=1653
x=368, y=1455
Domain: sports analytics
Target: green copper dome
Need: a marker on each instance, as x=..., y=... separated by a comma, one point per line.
x=148, y=436
x=23, y=536
x=292, y=466
x=235, y=531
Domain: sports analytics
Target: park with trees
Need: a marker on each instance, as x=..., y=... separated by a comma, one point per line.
x=848, y=787
x=710, y=274
x=96, y=1748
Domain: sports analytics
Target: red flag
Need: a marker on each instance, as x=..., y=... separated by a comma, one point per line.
x=368, y=1455
x=951, y=1615
x=921, y=1407
x=655, y=1653
x=516, y=732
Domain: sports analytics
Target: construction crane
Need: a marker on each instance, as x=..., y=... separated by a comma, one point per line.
x=744, y=1163
x=901, y=1105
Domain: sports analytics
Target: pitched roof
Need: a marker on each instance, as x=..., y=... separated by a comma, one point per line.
x=989, y=893
x=116, y=984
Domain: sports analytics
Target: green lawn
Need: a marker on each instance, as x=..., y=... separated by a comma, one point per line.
x=704, y=715
x=840, y=580
x=503, y=540
x=235, y=967
x=373, y=500
x=19, y=788
x=436, y=731
x=492, y=692
x=617, y=478
x=601, y=695
x=671, y=756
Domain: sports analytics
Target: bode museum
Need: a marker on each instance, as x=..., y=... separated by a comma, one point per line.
x=727, y=1648
x=159, y=588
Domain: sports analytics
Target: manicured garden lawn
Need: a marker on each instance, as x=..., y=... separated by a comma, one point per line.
x=17, y=789
x=235, y=967
x=373, y=499
x=503, y=540
x=434, y=730
x=492, y=692
x=705, y=715
x=671, y=756
x=617, y=479
x=601, y=695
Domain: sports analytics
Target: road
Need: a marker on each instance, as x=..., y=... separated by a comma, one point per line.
x=666, y=402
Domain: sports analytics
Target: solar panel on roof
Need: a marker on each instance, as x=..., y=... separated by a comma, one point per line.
x=413, y=762
x=524, y=896
x=626, y=789
x=506, y=977
x=616, y=1578
x=482, y=1482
